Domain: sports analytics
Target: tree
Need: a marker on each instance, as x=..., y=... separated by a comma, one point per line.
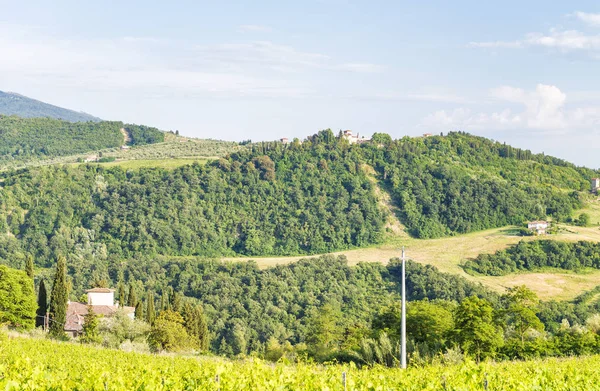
x=168, y=333
x=323, y=330
x=122, y=300
x=428, y=322
x=17, y=298
x=131, y=298
x=150, y=313
x=520, y=311
x=164, y=301
x=474, y=329
x=139, y=310
x=120, y=328
x=42, y=305
x=90, y=327
x=29, y=268
x=58, y=300
x=196, y=325
x=176, y=302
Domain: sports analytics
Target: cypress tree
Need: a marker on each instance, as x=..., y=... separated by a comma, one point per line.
x=58, y=300
x=131, y=298
x=29, y=268
x=122, y=300
x=139, y=310
x=42, y=303
x=176, y=304
x=196, y=325
x=150, y=314
x=203, y=335
x=164, y=302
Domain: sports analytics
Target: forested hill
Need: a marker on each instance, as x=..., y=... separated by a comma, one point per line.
x=27, y=138
x=276, y=199
x=15, y=104
x=461, y=183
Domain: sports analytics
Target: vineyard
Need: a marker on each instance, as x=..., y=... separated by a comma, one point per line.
x=34, y=364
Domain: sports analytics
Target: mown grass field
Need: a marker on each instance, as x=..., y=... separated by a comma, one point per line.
x=40, y=364
x=447, y=254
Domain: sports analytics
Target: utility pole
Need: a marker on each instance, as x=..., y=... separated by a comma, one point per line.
x=403, y=337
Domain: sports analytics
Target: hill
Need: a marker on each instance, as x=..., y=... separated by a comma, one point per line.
x=22, y=106
x=26, y=139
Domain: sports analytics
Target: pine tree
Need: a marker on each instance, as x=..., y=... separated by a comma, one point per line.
x=58, y=300
x=150, y=314
x=29, y=268
x=139, y=310
x=122, y=300
x=90, y=327
x=131, y=298
x=42, y=303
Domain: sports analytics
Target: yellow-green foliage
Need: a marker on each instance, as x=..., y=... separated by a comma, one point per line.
x=31, y=364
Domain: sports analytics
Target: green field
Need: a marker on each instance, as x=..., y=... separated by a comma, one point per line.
x=39, y=364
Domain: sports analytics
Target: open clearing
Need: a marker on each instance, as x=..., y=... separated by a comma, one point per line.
x=447, y=254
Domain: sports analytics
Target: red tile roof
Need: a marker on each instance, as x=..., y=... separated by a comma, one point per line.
x=101, y=290
x=76, y=311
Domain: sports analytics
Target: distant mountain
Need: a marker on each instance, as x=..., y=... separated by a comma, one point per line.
x=16, y=104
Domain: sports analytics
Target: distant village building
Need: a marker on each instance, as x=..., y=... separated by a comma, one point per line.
x=595, y=184
x=284, y=140
x=91, y=158
x=124, y=147
x=538, y=227
x=102, y=301
x=354, y=139
x=427, y=134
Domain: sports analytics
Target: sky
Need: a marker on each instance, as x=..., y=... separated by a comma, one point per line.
x=521, y=72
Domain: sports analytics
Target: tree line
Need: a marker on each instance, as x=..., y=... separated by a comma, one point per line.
x=535, y=255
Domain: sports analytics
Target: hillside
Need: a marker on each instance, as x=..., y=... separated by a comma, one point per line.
x=272, y=199
x=25, y=139
x=22, y=106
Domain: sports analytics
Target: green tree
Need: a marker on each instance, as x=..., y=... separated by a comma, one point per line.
x=428, y=322
x=168, y=333
x=196, y=325
x=17, y=298
x=58, y=300
x=131, y=298
x=139, y=310
x=176, y=303
x=150, y=313
x=520, y=311
x=323, y=330
x=42, y=305
x=29, y=268
x=90, y=327
x=474, y=328
x=122, y=299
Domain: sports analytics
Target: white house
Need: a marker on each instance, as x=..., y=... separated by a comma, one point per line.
x=102, y=302
x=347, y=134
x=539, y=227
x=595, y=184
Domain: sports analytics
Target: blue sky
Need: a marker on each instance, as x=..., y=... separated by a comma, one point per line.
x=522, y=72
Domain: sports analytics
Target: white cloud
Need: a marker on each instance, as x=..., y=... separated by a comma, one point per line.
x=589, y=18
x=260, y=68
x=543, y=109
x=254, y=28
x=568, y=40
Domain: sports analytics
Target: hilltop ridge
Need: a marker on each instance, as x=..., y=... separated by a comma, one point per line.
x=12, y=103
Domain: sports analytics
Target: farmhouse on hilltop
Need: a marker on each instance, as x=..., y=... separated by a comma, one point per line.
x=538, y=227
x=102, y=301
x=354, y=139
